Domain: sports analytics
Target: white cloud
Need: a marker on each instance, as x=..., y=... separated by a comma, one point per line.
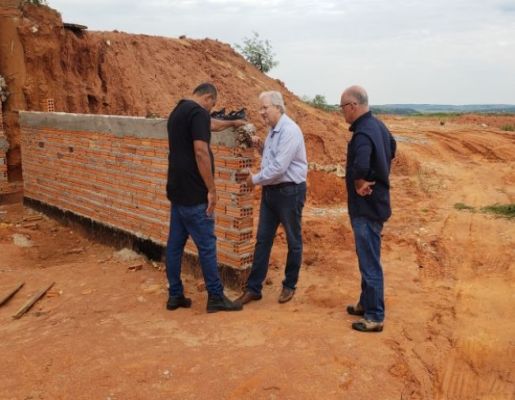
x=439, y=51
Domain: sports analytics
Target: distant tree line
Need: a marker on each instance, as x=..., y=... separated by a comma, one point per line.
x=436, y=109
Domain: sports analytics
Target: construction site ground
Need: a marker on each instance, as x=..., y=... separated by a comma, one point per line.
x=102, y=331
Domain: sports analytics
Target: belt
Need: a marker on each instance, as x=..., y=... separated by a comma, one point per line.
x=280, y=185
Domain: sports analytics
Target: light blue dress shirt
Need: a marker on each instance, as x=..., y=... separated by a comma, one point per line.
x=284, y=155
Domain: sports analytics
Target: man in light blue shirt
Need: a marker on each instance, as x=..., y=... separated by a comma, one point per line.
x=283, y=175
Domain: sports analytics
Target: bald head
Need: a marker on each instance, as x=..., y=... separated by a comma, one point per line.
x=358, y=94
x=354, y=103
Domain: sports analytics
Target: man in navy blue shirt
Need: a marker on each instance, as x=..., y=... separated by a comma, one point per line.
x=369, y=157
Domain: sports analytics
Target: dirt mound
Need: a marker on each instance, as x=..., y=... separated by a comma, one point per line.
x=142, y=75
x=326, y=188
x=123, y=74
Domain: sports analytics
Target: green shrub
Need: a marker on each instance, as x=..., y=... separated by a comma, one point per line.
x=320, y=102
x=508, y=127
x=258, y=52
x=504, y=210
x=462, y=206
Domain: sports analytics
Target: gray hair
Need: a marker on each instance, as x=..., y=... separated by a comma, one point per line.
x=276, y=99
x=359, y=94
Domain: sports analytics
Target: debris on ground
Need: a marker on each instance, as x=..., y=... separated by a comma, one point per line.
x=27, y=306
x=135, y=267
x=22, y=240
x=76, y=250
x=125, y=255
x=4, y=299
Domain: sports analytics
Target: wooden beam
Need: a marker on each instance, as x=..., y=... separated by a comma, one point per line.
x=10, y=294
x=31, y=301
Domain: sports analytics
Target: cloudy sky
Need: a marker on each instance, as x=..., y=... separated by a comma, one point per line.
x=410, y=51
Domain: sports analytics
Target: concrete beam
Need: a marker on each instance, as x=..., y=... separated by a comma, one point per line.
x=120, y=126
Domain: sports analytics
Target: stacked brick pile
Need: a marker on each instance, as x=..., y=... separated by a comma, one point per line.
x=234, y=207
x=3, y=156
x=113, y=170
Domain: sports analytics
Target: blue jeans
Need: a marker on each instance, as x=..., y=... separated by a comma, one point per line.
x=192, y=221
x=367, y=234
x=278, y=205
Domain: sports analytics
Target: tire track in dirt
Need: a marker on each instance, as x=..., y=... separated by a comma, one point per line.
x=478, y=363
x=458, y=355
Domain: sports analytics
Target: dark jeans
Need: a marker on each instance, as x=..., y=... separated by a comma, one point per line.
x=367, y=234
x=192, y=221
x=278, y=205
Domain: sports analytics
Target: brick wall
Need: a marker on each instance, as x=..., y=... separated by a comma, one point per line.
x=113, y=170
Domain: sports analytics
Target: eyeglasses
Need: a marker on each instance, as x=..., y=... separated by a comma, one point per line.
x=342, y=106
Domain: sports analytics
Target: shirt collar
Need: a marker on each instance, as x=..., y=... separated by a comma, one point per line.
x=353, y=126
x=279, y=124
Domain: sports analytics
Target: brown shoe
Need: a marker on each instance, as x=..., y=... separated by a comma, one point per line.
x=247, y=297
x=286, y=295
x=365, y=325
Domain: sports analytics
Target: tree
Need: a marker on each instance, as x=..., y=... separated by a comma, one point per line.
x=258, y=52
x=320, y=102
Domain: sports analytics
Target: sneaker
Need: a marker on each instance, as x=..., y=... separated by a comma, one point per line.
x=355, y=310
x=221, y=303
x=365, y=325
x=174, y=302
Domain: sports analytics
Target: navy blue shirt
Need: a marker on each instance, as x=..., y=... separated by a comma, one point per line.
x=369, y=156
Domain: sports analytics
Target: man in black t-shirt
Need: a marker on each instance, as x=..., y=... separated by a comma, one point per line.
x=191, y=190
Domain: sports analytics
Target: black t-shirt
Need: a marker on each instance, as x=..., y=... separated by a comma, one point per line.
x=187, y=122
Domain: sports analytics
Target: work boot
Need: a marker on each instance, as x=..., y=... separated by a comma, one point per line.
x=234, y=115
x=366, y=325
x=218, y=114
x=221, y=303
x=174, y=302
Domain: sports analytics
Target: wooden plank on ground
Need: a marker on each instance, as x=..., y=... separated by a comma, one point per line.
x=31, y=301
x=7, y=297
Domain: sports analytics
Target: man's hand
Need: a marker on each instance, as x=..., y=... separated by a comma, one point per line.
x=363, y=187
x=211, y=202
